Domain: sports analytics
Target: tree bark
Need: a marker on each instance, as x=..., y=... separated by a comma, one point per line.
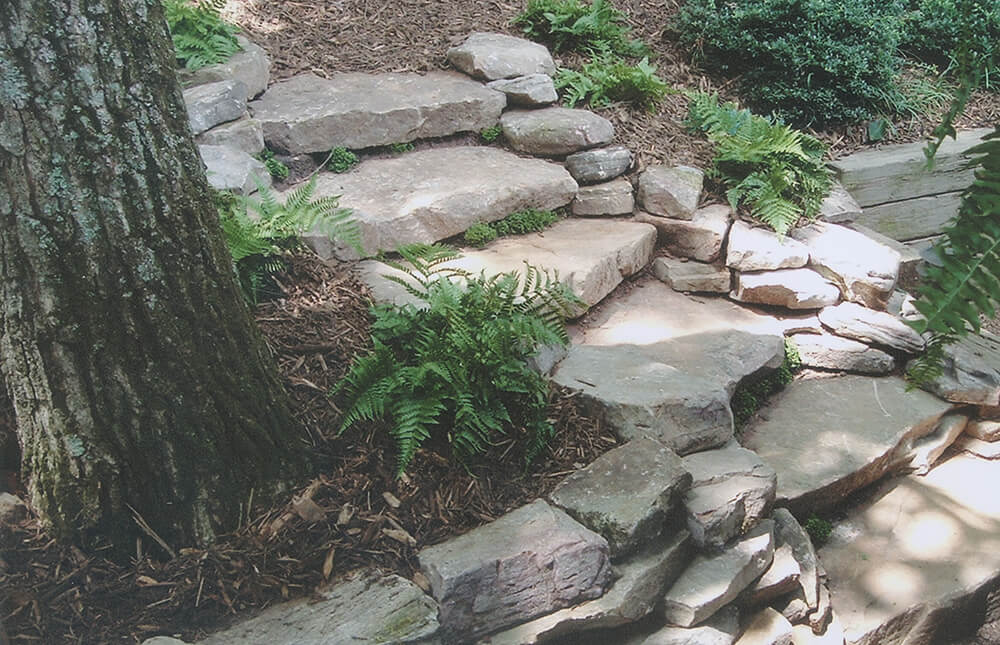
x=138, y=378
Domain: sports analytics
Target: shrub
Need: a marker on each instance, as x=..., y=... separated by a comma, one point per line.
x=933, y=30
x=275, y=168
x=775, y=171
x=201, y=37
x=456, y=369
x=570, y=24
x=341, y=160
x=608, y=78
x=491, y=134
x=812, y=62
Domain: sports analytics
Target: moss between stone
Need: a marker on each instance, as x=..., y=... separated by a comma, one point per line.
x=752, y=393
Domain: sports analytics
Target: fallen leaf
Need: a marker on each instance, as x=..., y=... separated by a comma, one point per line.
x=328, y=563
x=346, y=513
x=308, y=509
x=400, y=536
x=421, y=581
x=391, y=499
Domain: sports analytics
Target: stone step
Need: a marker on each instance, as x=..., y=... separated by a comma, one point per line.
x=914, y=218
x=433, y=194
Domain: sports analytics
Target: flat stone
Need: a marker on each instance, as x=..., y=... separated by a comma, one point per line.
x=839, y=207
x=555, y=131
x=533, y=90
x=670, y=192
x=851, y=320
x=532, y=561
x=984, y=429
x=720, y=629
x=760, y=249
x=826, y=351
x=919, y=559
x=913, y=219
x=433, y=194
x=819, y=618
x=610, y=198
x=366, y=609
x=599, y=164
x=639, y=585
x=789, y=288
x=214, y=103
x=910, y=261
x=788, y=531
x=766, y=627
x=799, y=323
x=12, y=509
x=827, y=438
x=251, y=66
x=978, y=447
x=928, y=449
x=902, y=305
x=244, y=134
x=698, y=238
x=492, y=56
x=794, y=608
x=712, y=581
x=780, y=578
x=971, y=371
x=163, y=640
x=233, y=170
x=626, y=494
x=683, y=275
x=864, y=269
x=306, y=113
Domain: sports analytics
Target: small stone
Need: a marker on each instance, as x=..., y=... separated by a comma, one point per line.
x=910, y=261
x=876, y=327
x=970, y=371
x=780, y=578
x=492, y=56
x=671, y=192
x=984, y=429
x=233, y=170
x=794, y=608
x=164, y=640
x=789, y=531
x=683, y=275
x=251, y=66
x=829, y=352
x=533, y=90
x=839, y=207
x=244, y=134
x=12, y=509
x=767, y=627
x=833, y=635
x=929, y=448
x=600, y=164
x=978, y=447
x=760, y=249
x=820, y=617
x=789, y=288
x=610, y=198
x=555, y=131
x=698, y=238
x=720, y=629
x=214, y=103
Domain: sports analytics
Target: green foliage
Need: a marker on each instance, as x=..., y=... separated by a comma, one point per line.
x=571, y=24
x=341, y=160
x=933, y=31
x=519, y=223
x=752, y=393
x=819, y=530
x=491, y=134
x=201, y=37
x=480, y=234
x=607, y=78
x=811, y=62
x=400, y=148
x=775, y=171
x=259, y=231
x=276, y=168
x=456, y=369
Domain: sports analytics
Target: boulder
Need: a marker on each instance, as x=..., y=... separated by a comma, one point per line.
x=306, y=113
x=698, y=238
x=610, y=198
x=829, y=352
x=789, y=288
x=533, y=90
x=555, y=131
x=251, y=66
x=492, y=56
x=233, y=170
x=214, y=103
x=599, y=164
x=720, y=629
x=766, y=627
x=839, y=207
x=910, y=261
x=683, y=275
x=244, y=134
x=851, y=320
x=760, y=249
x=970, y=371
x=670, y=192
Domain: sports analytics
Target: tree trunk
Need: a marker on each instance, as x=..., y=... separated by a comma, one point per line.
x=138, y=378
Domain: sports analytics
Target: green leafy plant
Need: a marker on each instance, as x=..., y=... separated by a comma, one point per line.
x=276, y=168
x=935, y=30
x=753, y=392
x=491, y=134
x=341, y=160
x=518, y=223
x=607, y=79
x=775, y=171
x=819, y=530
x=571, y=24
x=400, y=148
x=455, y=369
x=201, y=37
x=480, y=234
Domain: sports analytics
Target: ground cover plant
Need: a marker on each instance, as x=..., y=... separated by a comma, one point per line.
x=517, y=223
x=341, y=160
x=607, y=79
x=572, y=24
x=935, y=31
x=201, y=37
x=275, y=167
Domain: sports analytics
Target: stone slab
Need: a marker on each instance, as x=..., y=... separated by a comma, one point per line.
x=910, y=261
x=244, y=134
x=851, y=320
x=555, y=131
x=978, y=447
x=670, y=192
x=839, y=207
x=780, y=578
x=789, y=288
x=914, y=218
x=234, y=170
x=760, y=249
x=985, y=429
x=766, y=627
x=788, y=531
x=830, y=352
x=214, y=103
x=970, y=371
x=698, y=238
x=251, y=66
x=607, y=199
x=533, y=90
x=684, y=275
x=721, y=629
x=493, y=56
x=928, y=449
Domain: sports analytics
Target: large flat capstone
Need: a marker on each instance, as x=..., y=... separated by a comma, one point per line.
x=971, y=371
x=307, y=113
x=433, y=194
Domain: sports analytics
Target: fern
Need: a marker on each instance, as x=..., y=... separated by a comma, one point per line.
x=456, y=368
x=570, y=24
x=201, y=37
x=607, y=79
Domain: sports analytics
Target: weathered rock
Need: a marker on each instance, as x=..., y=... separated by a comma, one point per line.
x=971, y=371
x=834, y=634
x=984, y=429
x=626, y=494
x=928, y=449
x=530, y=562
x=978, y=447
x=670, y=192
x=492, y=56
x=829, y=437
x=766, y=627
x=712, y=581
x=780, y=578
x=610, y=198
x=912, y=219
x=720, y=629
x=759, y=249
x=789, y=288
x=902, y=305
x=555, y=131
x=788, y=531
x=600, y=164
x=639, y=585
x=799, y=323
x=910, y=261
x=214, y=103
x=244, y=134
x=820, y=617
x=839, y=207
x=533, y=90
x=366, y=609
x=163, y=640
x=433, y=194
x=306, y=113
x=233, y=170
x=698, y=238
x=794, y=608
x=865, y=270
x=251, y=66
x=826, y=351
x=12, y=509
x=860, y=323
x=683, y=275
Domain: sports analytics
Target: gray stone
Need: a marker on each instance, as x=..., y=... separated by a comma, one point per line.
x=532, y=561
x=163, y=640
x=233, y=170
x=839, y=207
x=760, y=249
x=684, y=275
x=820, y=617
x=789, y=288
x=712, y=581
x=492, y=56
x=914, y=218
x=533, y=90
x=600, y=164
x=214, y=103
x=910, y=261
x=794, y=608
x=251, y=66
x=306, y=113
x=555, y=131
x=698, y=238
x=865, y=270
x=827, y=438
x=978, y=447
x=766, y=627
x=851, y=320
x=433, y=194
x=971, y=371
x=366, y=609
x=671, y=192
x=789, y=532
x=834, y=634
x=928, y=449
x=638, y=587
x=610, y=198
x=12, y=509
x=244, y=134
x=626, y=494
x=780, y=578
x=826, y=351
x=720, y=629
x=984, y=429
x=902, y=305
